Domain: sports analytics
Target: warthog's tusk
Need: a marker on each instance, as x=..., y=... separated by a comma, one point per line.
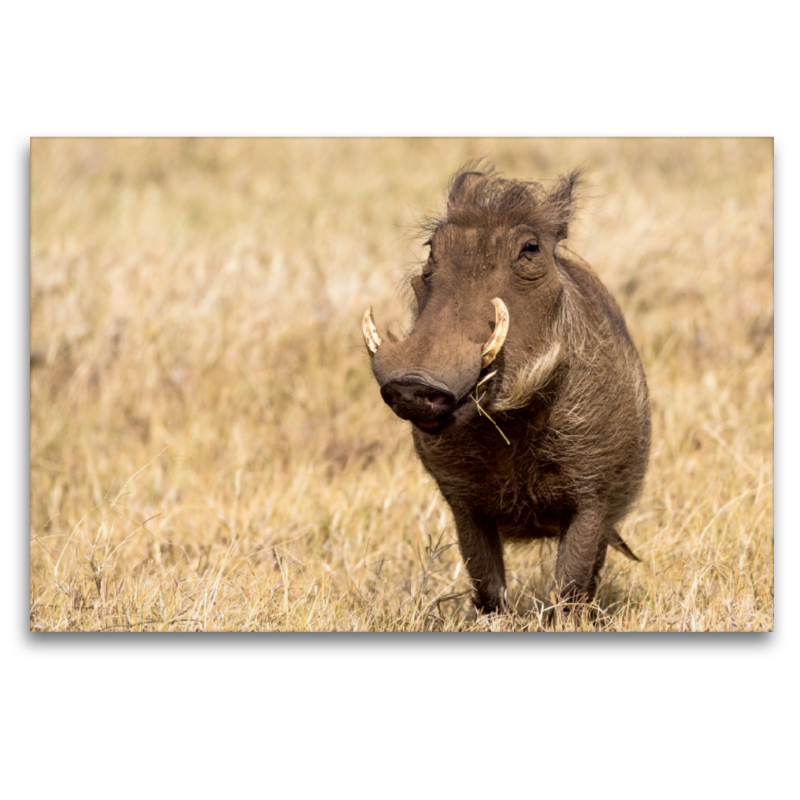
x=370, y=332
x=492, y=347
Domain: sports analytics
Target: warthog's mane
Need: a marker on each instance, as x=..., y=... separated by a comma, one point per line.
x=478, y=196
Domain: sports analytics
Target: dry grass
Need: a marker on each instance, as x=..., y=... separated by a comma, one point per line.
x=210, y=452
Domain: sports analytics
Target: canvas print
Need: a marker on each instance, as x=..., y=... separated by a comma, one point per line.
x=401, y=385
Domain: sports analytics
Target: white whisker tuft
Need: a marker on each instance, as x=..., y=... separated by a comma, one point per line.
x=523, y=385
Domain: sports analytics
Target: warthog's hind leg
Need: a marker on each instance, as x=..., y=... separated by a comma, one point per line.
x=581, y=555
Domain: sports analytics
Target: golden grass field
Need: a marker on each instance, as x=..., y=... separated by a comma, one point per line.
x=209, y=450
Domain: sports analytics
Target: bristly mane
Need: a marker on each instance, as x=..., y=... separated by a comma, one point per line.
x=482, y=198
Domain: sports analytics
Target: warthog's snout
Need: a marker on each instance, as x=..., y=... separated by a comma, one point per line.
x=420, y=402
x=429, y=377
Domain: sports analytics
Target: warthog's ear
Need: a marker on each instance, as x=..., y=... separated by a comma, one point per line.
x=562, y=202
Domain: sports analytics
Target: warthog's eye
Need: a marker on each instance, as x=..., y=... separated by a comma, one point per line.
x=528, y=269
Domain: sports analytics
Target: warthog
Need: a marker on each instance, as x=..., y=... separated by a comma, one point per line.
x=527, y=396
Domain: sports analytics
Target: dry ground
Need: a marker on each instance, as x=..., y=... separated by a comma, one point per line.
x=210, y=452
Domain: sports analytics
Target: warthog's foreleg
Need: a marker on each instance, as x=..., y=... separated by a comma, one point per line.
x=482, y=552
x=581, y=555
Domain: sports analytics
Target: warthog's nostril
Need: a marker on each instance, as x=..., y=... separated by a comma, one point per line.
x=437, y=400
x=414, y=399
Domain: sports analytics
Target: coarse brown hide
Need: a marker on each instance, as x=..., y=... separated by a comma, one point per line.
x=551, y=437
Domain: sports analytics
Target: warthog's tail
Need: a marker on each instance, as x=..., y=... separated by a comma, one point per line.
x=616, y=541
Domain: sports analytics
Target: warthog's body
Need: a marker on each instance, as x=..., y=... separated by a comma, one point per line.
x=516, y=339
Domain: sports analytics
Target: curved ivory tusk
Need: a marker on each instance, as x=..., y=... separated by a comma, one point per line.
x=492, y=347
x=370, y=332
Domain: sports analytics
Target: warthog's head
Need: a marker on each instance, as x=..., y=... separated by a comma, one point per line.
x=488, y=305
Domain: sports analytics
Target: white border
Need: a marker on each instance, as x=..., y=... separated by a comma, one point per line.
x=392, y=715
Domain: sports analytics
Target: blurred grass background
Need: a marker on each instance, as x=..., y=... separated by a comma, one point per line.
x=209, y=450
